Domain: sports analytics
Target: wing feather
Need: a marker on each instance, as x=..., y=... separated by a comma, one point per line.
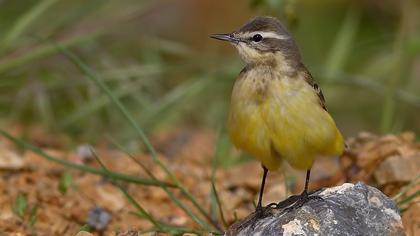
x=309, y=79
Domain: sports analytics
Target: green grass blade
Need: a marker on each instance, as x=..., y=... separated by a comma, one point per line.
x=156, y=112
x=218, y=152
x=116, y=175
x=406, y=188
x=171, y=195
x=92, y=76
x=33, y=215
x=20, y=205
x=90, y=107
x=367, y=83
x=7, y=64
x=340, y=49
x=132, y=201
x=409, y=198
x=25, y=21
x=218, y=202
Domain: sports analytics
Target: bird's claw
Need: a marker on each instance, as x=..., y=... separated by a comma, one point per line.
x=302, y=201
x=296, y=201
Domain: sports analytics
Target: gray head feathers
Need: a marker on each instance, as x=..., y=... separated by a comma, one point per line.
x=267, y=35
x=264, y=23
x=263, y=39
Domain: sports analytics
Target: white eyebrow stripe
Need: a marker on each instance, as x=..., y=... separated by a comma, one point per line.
x=265, y=34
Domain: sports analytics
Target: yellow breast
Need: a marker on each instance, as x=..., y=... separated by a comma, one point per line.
x=278, y=118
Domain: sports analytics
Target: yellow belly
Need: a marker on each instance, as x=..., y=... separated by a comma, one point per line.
x=281, y=119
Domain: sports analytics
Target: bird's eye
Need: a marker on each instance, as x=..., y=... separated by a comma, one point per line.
x=257, y=38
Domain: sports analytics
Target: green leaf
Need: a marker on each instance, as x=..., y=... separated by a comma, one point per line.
x=85, y=227
x=66, y=182
x=20, y=205
x=33, y=216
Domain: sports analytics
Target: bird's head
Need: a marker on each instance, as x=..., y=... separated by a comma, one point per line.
x=263, y=40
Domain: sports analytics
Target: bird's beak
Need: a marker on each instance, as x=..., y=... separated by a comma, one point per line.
x=225, y=37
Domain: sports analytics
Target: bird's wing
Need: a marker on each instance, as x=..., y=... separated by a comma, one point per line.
x=309, y=79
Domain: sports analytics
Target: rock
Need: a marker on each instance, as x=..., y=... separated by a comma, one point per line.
x=84, y=233
x=84, y=153
x=349, y=209
x=98, y=218
x=411, y=219
x=128, y=233
x=397, y=169
x=9, y=160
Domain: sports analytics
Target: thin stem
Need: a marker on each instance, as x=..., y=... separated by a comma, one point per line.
x=219, y=203
x=151, y=175
x=406, y=188
x=128, y=196
x=84, y=168
x=92, y=76
x=25, y=21
x=409, y=198
x=9, y=63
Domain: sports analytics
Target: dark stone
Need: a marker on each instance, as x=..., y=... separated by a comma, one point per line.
x=349, y=209
x=98, y=218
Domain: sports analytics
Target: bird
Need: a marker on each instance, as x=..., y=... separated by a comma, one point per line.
x=277, y=111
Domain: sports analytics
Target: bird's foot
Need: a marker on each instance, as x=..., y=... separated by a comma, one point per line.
x=261, y=212
x=302, y=200
x=296, y=201
x=259, y=208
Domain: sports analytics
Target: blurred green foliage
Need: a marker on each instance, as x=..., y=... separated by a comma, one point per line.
x=159, y=62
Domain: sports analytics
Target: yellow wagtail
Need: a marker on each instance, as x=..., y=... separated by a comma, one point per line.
x=277, y=111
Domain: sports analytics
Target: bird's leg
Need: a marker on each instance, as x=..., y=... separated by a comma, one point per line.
x=259, y=205
x=304, y=197
x=296, y=201
x=305, y=190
